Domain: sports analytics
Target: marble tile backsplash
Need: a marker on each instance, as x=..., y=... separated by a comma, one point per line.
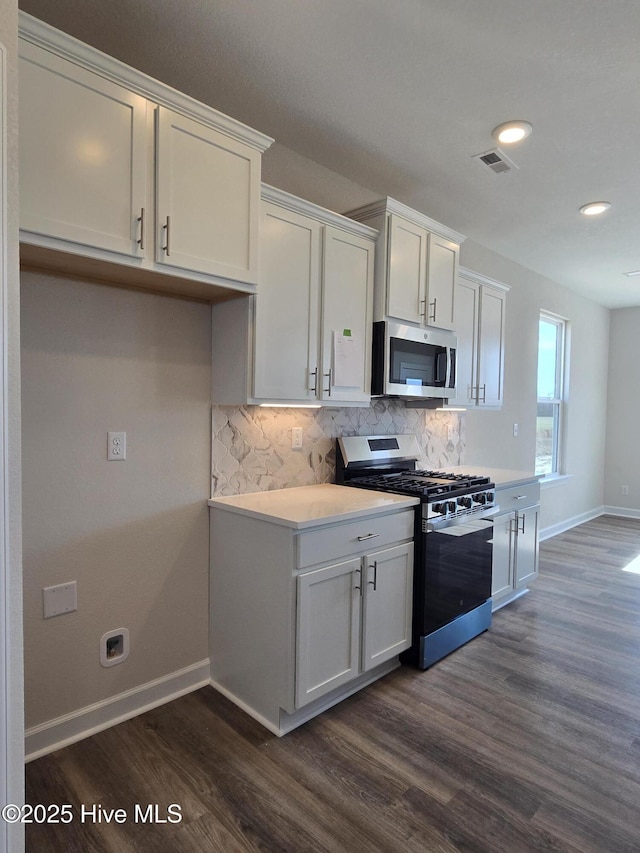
x=251, y=446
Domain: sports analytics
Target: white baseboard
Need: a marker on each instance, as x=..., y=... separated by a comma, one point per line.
x=568, y=523
x=62, y=731
x=621, y=511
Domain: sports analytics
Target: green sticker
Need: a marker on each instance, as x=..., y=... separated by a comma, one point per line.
x=346, y=333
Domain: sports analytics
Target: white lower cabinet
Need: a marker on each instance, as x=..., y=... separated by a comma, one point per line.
x=351, y=616
x=300, y=619
x=515, y=542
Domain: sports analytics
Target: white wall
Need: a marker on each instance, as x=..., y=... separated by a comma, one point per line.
x=12, y=784
x=623, y=411
x=489, y=435
x=133, y=534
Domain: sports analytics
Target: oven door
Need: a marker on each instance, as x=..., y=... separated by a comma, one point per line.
x=454, y=574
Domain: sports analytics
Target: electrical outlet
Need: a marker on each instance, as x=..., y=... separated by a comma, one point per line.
x=116, y=446
x=450, y=433
x=296, y=438
x=624, y=490
x=515, y=430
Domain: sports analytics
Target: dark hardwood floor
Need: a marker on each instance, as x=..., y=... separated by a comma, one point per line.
x=527, y=739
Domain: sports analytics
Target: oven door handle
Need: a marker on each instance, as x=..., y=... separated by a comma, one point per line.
x=442, y=523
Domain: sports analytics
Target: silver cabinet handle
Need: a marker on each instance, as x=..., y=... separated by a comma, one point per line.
x=166, y=228
x=520, y=529
x=314, y=373
x=374, y=582
x=519, y=497
x=368, y=536
x=140, y=219
x=434, y=303
x=422, y=309
x=328, y=389
x=484, y=393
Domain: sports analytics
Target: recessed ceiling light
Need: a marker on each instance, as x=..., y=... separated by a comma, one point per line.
x=511, y=131
x=595, y=207
x=632, y=273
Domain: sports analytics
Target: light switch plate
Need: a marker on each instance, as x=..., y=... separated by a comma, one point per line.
x=59, y=599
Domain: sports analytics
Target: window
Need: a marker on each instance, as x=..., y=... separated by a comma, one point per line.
x=551, y=335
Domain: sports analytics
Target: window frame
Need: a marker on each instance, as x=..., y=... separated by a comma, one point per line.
x=558, y=401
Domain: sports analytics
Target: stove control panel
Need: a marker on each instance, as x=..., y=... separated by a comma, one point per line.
x=461, y=507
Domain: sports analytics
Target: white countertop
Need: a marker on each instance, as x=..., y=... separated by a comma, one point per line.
x=502, y=477
x=309, y=506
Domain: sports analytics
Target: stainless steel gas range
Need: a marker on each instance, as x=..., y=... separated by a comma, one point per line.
x=453, y=539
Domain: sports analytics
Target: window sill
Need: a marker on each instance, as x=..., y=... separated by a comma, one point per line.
x=554, y=480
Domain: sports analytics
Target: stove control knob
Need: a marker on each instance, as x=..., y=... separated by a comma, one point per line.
x=452, y=506
x=465, y=502
x=440, y=508
x=480, y=498
x=489, y=497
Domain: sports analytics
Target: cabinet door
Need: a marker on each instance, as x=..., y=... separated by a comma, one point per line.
x=503, y=563
x=347, y=292
x=208, y=199
x=466, y=326
x=387, y=604
x=526, y=546
x=491, y=347
x=82, y=155
x=328, y=629
x=407, y=272
x=442, y=272
x=287, y=307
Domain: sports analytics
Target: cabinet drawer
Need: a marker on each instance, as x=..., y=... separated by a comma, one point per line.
x=355, y=537
x=518, y=497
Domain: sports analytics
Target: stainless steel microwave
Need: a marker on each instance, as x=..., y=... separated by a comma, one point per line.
x=412, y=362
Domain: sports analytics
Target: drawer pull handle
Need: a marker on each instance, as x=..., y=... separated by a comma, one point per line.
x=519, y=497
x=368, y=536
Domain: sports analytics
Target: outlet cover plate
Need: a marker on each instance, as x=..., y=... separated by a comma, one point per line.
x=59, y=599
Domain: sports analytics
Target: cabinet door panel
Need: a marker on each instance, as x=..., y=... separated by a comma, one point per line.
x=491, y=347
x=527, y=546
x=502, y=565
x=407, y=274
x=387, y=605
x=441, y=280
x=328, y=629
x=466, y=326
x=82, y=155
x=209, y=186
x=347, y=306
x=287, y=308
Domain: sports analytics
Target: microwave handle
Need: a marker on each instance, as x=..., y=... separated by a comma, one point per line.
x=447, y=382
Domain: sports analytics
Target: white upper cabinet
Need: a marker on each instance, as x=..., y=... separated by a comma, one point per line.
x=406, y=270
x=208, y=197
x=416, y=265
x=118, y=171
x=479, y=321
x=82, y=155
x=306, y=336
x=287, y=312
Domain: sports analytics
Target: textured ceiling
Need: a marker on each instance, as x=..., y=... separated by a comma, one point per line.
x=398, y=96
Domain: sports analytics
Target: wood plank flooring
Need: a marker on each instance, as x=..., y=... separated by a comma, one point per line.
x=527, y=739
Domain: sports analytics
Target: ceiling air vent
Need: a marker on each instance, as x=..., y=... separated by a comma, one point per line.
x=496, y=160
